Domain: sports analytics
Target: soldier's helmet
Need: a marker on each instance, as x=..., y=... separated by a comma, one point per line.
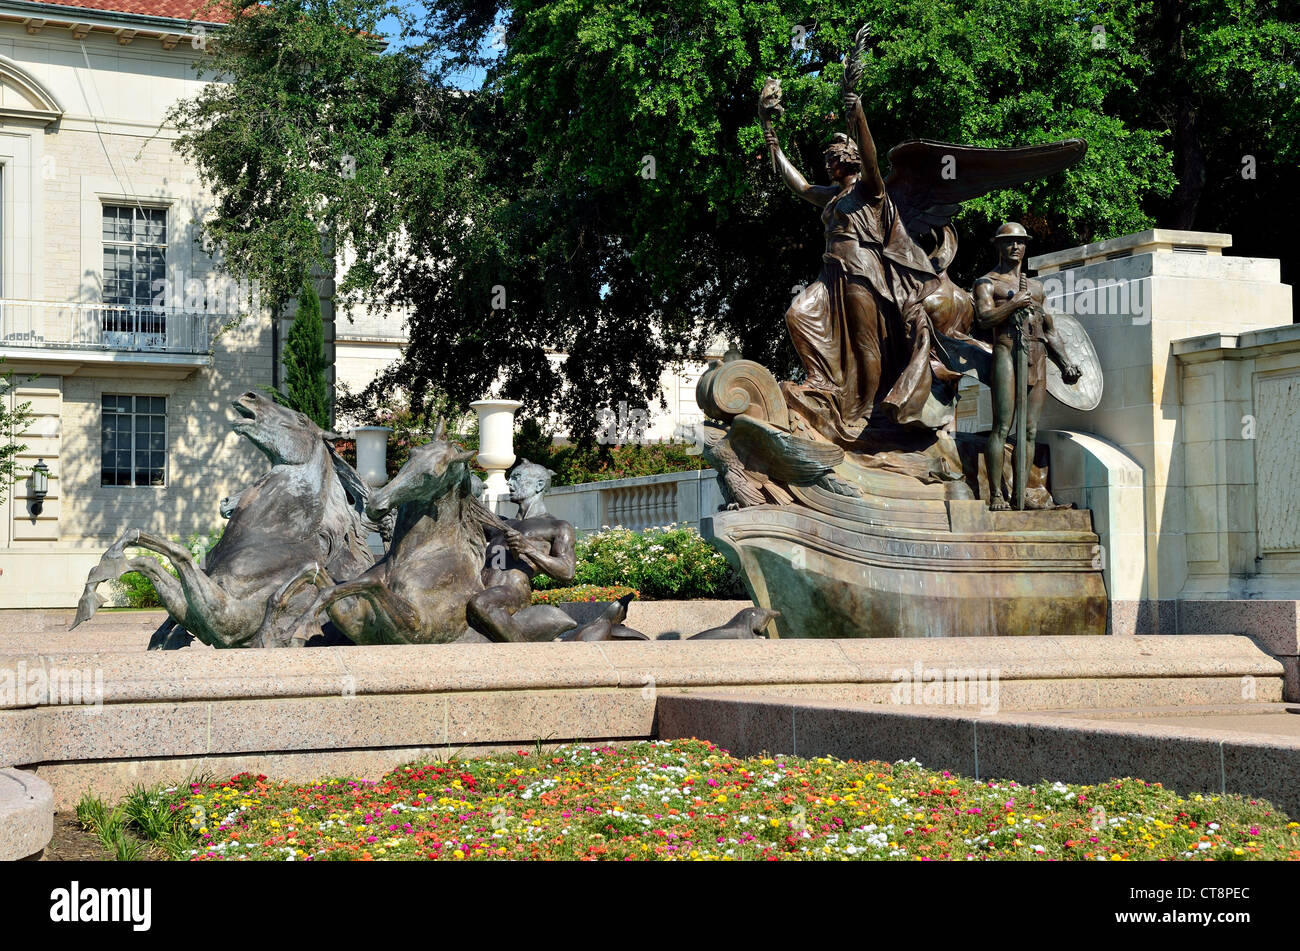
x=1012, y=229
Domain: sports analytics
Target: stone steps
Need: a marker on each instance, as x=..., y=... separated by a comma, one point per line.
x=1252, y=749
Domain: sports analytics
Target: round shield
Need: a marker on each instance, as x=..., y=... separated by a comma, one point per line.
x=1085, y=392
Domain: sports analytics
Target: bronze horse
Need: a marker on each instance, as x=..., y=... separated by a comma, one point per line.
x=418, y=592
x=304, y=512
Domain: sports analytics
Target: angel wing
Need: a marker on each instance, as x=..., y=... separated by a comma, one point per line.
x=782, y=456
x=929, y=180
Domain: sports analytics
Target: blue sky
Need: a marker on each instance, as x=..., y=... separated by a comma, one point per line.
x=389, y=26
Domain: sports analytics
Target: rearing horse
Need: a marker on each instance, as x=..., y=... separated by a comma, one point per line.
x=303, y=512
x=417, y=593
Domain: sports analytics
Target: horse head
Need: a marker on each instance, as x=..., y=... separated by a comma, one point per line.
x=283, y=434
x=433, y=470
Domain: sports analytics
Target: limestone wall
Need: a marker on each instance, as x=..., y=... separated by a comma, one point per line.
x=1241, y=441
x=1136, y=296
x=98, y=139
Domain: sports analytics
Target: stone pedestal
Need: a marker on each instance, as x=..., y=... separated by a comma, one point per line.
x=912, y=567
x=1202, y=368
x=1137, y=296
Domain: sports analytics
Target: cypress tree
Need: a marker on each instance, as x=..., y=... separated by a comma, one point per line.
x=306, y=374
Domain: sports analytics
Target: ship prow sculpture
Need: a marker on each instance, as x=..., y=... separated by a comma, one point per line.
x=852, y=506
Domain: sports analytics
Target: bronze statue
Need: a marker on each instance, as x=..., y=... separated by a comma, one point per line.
x=881, y=539
x=871, y=330
x=1010, y=304
x=517, y=550
x=301, y=516
x=860, y=329
x=747, y=625
x=608, y=626
x=417, y=593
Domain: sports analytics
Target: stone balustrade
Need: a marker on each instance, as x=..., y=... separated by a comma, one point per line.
x=682, y=498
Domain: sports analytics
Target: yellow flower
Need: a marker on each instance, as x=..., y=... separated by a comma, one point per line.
x=458, y=854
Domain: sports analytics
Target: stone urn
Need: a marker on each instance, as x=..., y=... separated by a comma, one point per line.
x=496, y=450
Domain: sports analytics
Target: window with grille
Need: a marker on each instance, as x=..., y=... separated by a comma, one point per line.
x=135, y=256
x=134, y=440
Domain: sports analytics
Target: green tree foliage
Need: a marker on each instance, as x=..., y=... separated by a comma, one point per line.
x=1225, y=83
x=606, y=194
x=12, y=422
x=306, y=374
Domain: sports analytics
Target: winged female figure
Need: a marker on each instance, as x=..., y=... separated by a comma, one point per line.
x=871, y=330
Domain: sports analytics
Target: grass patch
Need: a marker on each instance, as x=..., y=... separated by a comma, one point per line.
x=688, y=799
x=110, y=827
x=147, y=817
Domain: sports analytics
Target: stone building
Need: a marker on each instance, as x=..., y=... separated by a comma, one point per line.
x=123, y=339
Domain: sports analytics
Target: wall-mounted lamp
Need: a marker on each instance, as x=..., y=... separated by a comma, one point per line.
x=40, y=486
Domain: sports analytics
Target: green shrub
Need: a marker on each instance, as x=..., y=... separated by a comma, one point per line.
x=137, y=590
x=662, y=563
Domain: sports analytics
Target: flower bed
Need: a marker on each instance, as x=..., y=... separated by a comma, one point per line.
x=688, y=799
x=582, y=592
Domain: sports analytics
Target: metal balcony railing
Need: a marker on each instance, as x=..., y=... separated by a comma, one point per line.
x=61, y=325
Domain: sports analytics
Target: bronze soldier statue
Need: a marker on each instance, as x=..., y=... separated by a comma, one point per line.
x=1024, y=338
